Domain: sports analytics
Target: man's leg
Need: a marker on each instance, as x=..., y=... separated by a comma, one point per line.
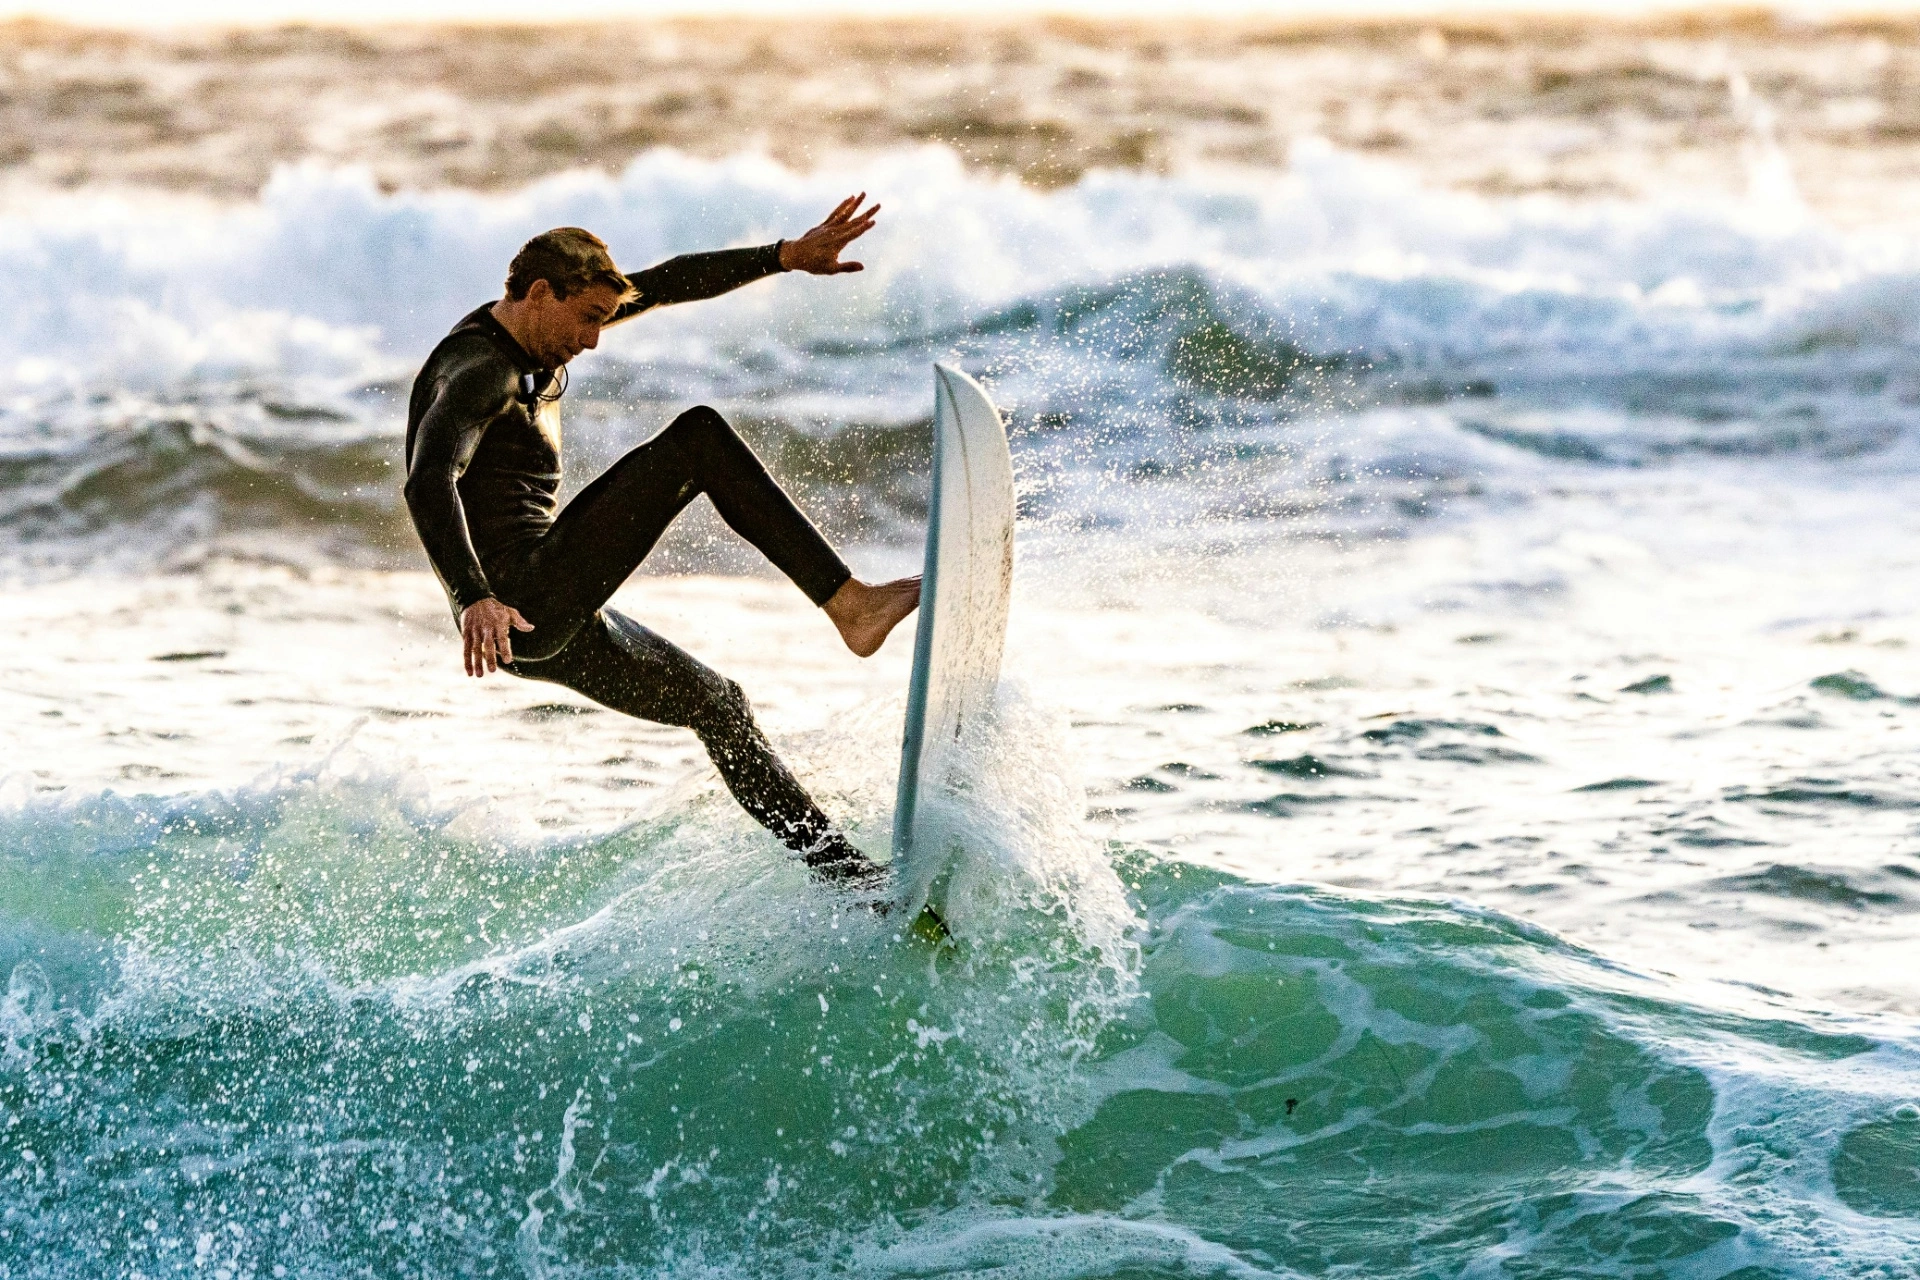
x=608, y=529
x=621, y=664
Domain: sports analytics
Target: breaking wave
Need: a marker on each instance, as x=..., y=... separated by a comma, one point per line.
x=320, y=1023
x=1357, y=347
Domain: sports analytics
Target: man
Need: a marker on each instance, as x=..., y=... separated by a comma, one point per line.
x=483, y=469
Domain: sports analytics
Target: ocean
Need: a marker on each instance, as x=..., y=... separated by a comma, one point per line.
x=1451, y=809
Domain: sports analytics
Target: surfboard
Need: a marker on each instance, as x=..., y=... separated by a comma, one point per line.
x=964, y=595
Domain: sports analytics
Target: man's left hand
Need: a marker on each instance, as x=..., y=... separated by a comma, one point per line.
x=818, y=251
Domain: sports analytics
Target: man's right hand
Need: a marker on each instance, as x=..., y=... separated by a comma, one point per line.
x=486, y=633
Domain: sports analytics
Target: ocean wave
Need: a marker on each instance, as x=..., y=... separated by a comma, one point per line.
x=327, y=1025
x=1348, y=256
x=149, y=482
x=1330, y=344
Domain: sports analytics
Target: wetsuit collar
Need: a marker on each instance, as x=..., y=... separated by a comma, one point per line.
x=537, y=382
x=486, y=322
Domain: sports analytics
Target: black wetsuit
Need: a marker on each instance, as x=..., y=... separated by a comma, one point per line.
x=483, y=472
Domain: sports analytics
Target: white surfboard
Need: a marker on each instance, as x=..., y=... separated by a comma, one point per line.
x=963, y=604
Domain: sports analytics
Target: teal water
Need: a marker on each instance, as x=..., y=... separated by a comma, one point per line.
x=1383, y=543
x=311, y=1028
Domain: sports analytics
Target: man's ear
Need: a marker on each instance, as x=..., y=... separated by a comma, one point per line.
x=540, y=292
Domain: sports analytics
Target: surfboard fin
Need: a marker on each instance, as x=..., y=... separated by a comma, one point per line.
x=929, y=927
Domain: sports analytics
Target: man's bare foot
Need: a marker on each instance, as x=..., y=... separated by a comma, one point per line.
x=866, y=613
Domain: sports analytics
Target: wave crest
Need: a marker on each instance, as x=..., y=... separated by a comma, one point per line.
x=1342, y=338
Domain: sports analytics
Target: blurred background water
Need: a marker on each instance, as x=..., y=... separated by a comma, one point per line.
x=1452, y=811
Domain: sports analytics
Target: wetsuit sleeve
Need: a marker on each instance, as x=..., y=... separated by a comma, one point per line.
x=465, y=403
x=693, y=276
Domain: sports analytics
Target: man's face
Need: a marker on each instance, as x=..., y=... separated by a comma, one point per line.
x=561, y=328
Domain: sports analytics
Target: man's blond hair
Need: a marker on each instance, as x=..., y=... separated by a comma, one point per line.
x=569, y=259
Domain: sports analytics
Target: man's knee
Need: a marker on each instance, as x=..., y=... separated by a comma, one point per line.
x=723, y=709
x=702, y=420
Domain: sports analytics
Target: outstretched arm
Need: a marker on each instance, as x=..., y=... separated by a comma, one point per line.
x=693, y=276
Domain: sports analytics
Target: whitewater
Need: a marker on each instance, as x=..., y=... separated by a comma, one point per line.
x=1451, y=812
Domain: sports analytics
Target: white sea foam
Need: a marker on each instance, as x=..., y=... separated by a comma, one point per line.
x=1331, y=347
x=324, y=274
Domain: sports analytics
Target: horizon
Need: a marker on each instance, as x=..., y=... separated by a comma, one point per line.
x=263, y=13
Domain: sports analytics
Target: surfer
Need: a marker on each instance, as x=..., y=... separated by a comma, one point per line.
x=483, y=471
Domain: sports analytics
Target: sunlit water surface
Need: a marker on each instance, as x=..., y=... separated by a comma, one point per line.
x=1451, y=811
